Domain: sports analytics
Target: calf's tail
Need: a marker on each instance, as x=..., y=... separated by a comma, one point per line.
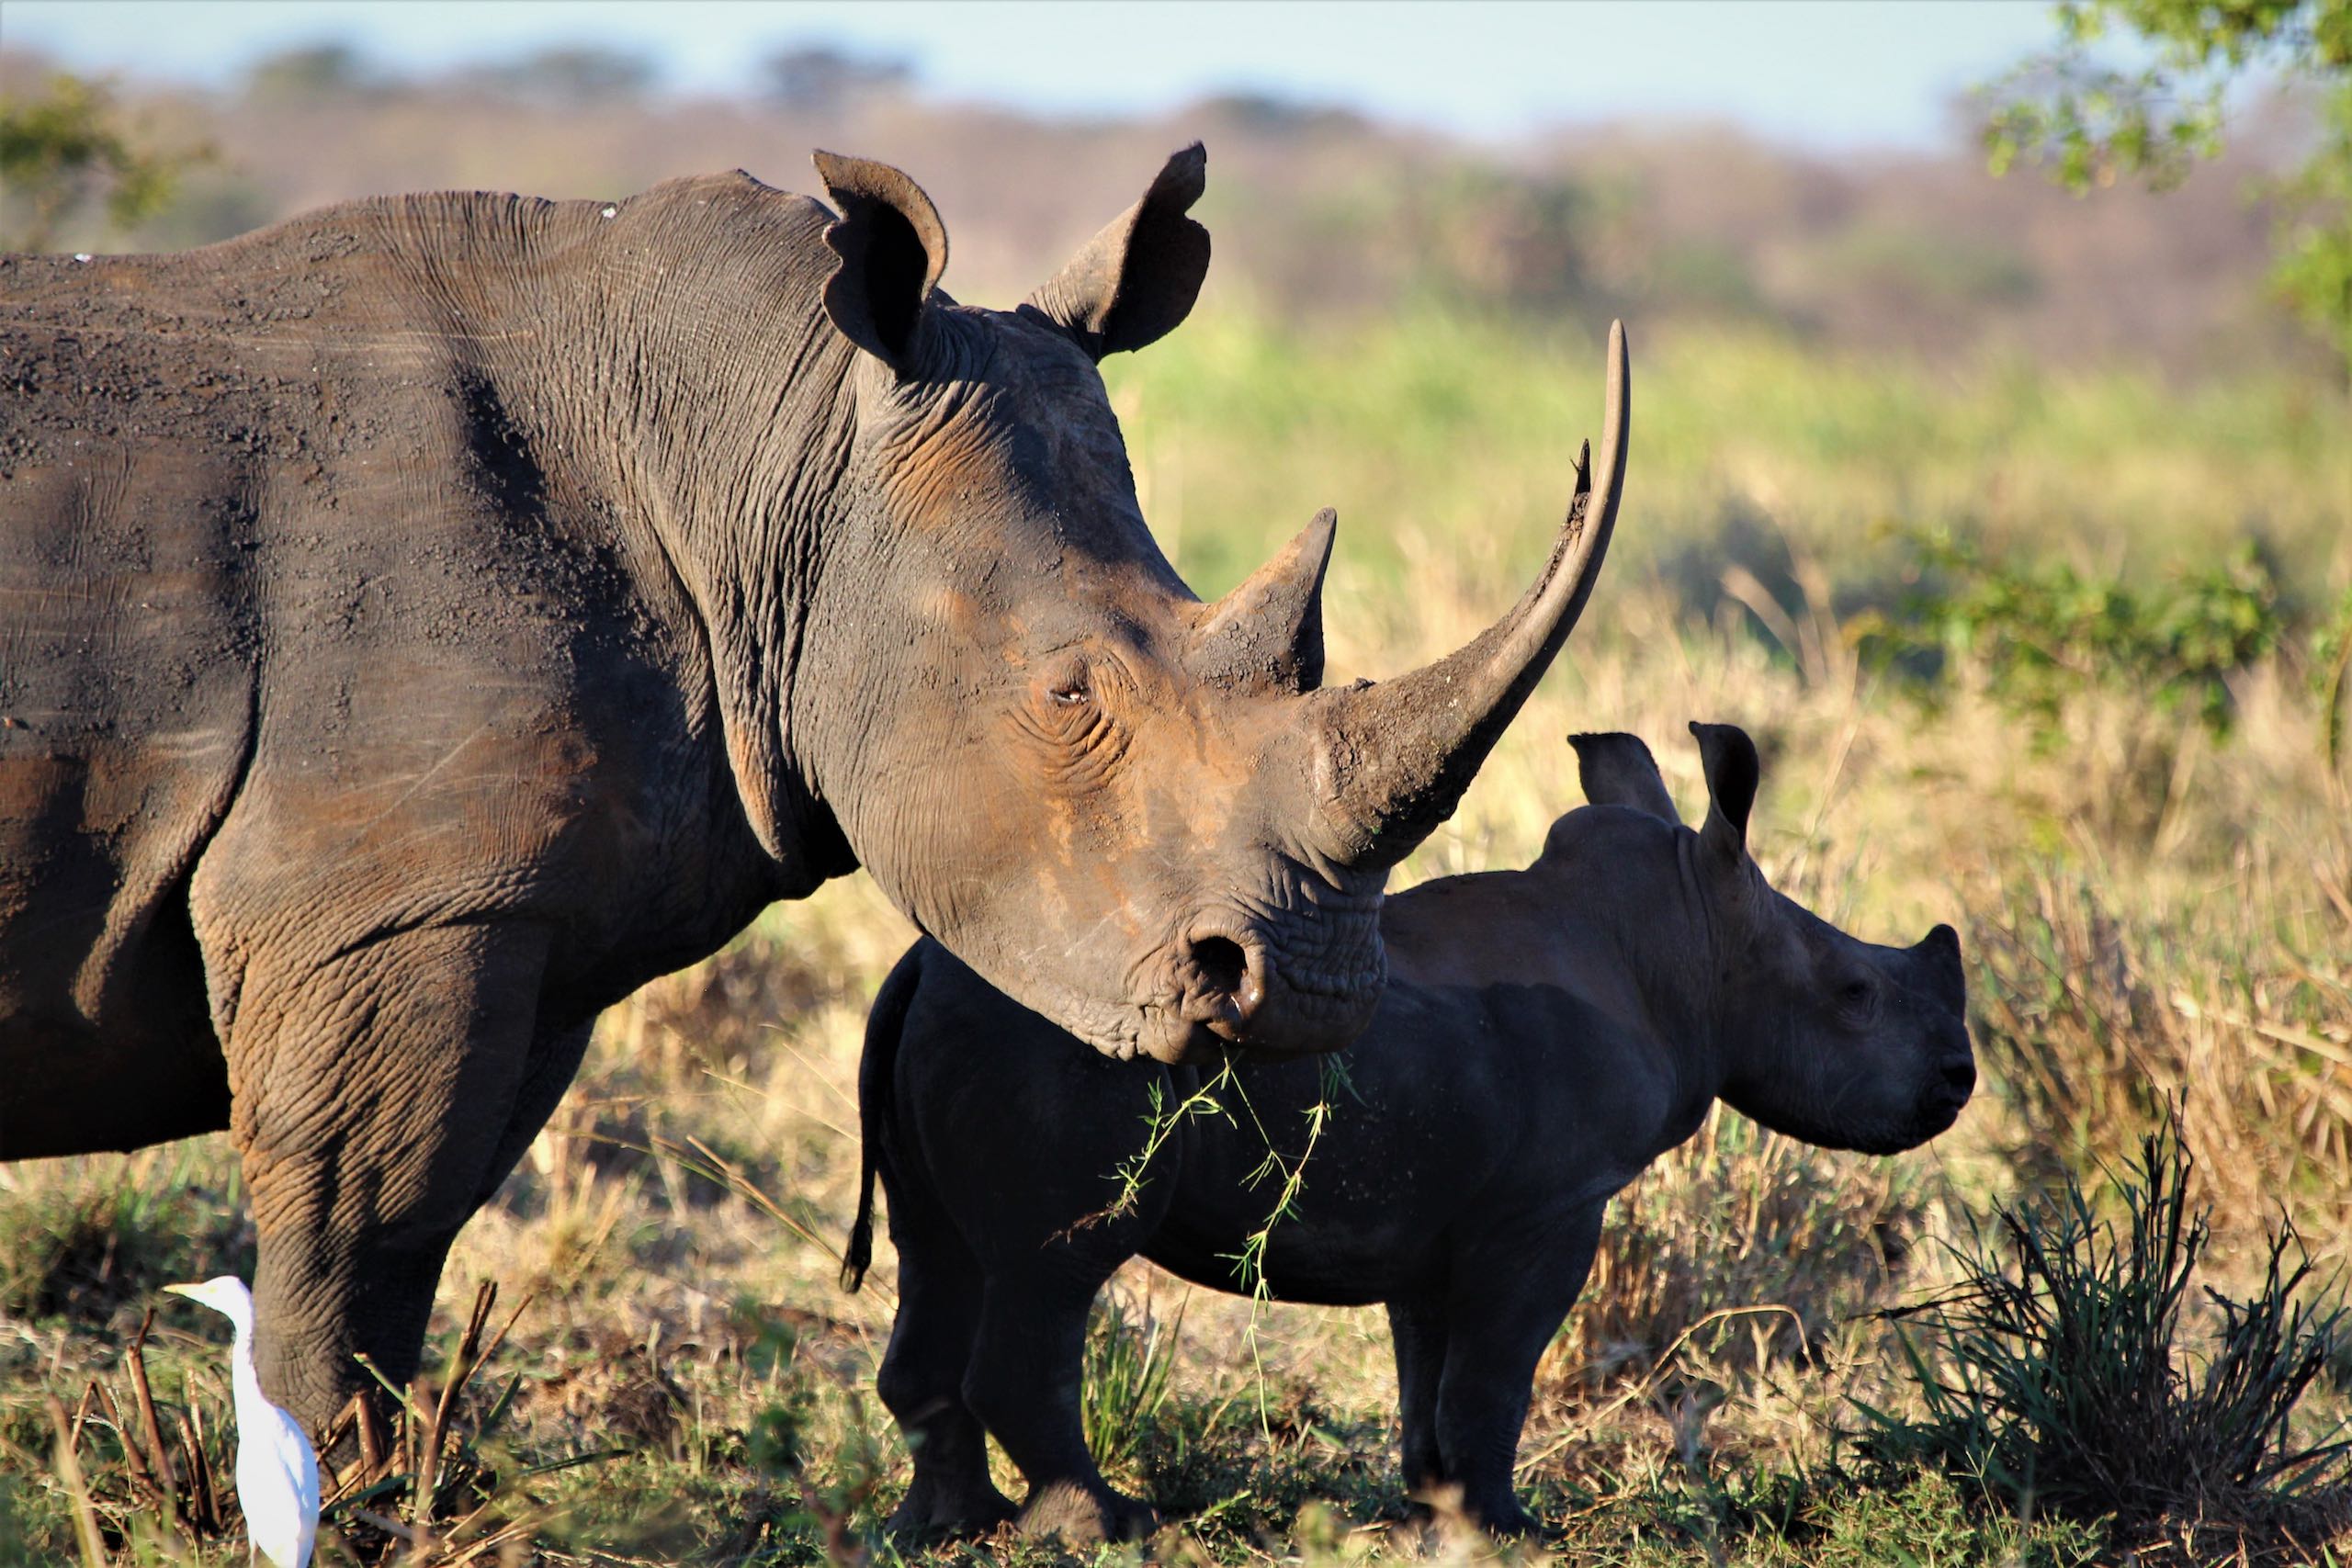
x=876, y=1091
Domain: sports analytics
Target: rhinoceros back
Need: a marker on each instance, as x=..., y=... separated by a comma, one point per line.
x=237, y=486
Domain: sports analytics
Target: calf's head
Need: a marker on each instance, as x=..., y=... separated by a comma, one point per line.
x=1816, y=1034
x=1133, y=812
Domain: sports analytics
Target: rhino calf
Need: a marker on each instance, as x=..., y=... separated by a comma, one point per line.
x=1546, y=1033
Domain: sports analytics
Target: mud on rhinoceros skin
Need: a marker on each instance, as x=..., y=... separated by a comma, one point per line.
x=1546, y=1033
x=425, y=620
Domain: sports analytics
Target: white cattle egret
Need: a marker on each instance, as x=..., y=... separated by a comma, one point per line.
x=278, y=1474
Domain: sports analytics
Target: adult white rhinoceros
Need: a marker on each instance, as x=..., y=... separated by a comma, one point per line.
x=426, y=620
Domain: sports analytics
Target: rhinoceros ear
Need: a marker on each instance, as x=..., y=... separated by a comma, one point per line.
x=1618, y=770
x=1729, y=758
x=1137, y=279
x=893, y=248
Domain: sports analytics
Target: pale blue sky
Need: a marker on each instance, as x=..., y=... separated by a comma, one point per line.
x=1829, y=73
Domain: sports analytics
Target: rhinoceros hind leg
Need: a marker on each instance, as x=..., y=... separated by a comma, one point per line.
x=375, y=1093
x=921, y=1382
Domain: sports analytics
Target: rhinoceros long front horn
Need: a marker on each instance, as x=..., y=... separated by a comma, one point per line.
x=1396, y=757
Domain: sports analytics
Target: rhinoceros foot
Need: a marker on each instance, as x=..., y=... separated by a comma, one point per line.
x=1079, y=1513
x=927, y=1515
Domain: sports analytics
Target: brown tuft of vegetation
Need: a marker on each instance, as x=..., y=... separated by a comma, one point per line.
x=1739, y=1251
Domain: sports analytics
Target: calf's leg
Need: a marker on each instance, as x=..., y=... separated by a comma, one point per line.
x=1418, y=1328
x=1508, y=1298
x=1024, y=1384
x=921, y=1382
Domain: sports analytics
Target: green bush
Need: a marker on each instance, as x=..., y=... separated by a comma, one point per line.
x=2054, y=1374
x=2041, y=632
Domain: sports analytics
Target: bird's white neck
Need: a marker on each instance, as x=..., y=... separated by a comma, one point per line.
x=242, y=1376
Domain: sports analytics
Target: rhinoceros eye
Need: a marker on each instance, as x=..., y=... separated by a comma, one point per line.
x=1856, y=996
x=1071, y=715
x=1065, y=682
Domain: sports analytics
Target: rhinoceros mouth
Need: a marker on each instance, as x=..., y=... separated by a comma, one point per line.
x=1930, y=1117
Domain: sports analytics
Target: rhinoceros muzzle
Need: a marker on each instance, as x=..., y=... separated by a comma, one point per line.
x=1292, y=986
x=1387, y=763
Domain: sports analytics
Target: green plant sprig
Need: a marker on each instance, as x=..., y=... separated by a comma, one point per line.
x=1249, y=1262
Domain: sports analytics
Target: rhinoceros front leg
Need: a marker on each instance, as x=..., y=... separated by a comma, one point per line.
x=1025, y=1385
x=374, y=1094
x=1418, y=1329
x=1510, y=1291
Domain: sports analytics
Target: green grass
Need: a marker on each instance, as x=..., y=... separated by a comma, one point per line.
x=1460, y=428
x=2152, y=907
x=105, y=1234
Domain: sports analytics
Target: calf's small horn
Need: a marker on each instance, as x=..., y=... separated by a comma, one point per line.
x=1394, y=757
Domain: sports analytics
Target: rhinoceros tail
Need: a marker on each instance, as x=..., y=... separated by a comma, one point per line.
x=877, y=1089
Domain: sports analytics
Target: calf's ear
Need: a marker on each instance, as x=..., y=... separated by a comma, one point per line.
x=1618, y=770
x=892, y=248
x=1136, y=279
x=1729, y=758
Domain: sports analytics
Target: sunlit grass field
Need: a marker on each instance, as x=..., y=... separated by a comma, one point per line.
x=2154, y=896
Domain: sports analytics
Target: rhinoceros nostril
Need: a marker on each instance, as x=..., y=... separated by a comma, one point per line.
x=1225, y=967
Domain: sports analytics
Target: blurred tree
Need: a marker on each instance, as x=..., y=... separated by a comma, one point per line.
x=312, y=71
x=1464, y=234
x=61, y=149
x=1271, y=114
x=821, y=79
x=1497, y=236
x=567, y=76
x=2315, y=238
x=2091, y=124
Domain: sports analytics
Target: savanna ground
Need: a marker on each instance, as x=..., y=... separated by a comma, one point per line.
x=2100, y=745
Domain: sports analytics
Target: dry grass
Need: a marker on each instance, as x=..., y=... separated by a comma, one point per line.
x=2147, y=907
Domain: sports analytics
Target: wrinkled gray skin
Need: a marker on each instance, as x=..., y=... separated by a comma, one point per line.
x=1546, y=1033
x=426, y=620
